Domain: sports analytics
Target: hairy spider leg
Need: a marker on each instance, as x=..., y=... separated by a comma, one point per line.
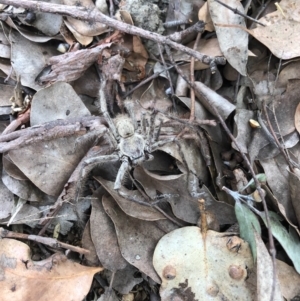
x=125, y=167
x=150, y=133
x=104, y=111
x=130, y=110
x=143, y=124
x=157, y=132
x=88, y=165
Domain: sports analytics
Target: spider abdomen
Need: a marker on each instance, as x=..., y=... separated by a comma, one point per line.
x=133, y=147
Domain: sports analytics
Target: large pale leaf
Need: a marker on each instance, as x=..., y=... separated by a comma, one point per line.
x=196, y=266
x=55, y=278
x=282, y=29
x=248, y=223
x=265, y=273
x=137, y=239
x=104, y=237
x=58, y=101
x=289, y=240
x=233, y=40
x=25, y=64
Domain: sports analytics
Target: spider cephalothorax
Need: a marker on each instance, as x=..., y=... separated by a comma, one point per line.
x=132, y=144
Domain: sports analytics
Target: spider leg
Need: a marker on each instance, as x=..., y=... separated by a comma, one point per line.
x=151, y=127
x=129, y=105
x=87, y=166
x=104, y=111
x=125, y=167
x=100, y=159
x=143, y=125
x=156, y=133
x=160, y=143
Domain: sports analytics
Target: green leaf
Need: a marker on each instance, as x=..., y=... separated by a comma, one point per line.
x=248, y=222
x=261, y=177
x=289, y=240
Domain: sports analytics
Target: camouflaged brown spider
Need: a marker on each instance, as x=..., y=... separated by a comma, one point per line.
x=133, y=145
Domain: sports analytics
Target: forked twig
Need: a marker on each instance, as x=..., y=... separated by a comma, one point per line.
x=94, y=15
x=49, y=241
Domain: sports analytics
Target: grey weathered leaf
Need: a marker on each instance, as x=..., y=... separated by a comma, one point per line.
x=248, y=223
x=289, y=240
x=265, y=273
x=232, y=39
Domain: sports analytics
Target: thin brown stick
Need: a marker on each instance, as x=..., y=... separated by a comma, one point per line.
x=95, y=15
x=160, y=48
x=52, y=242
x=192, y=77
x=51, y=130
x=236, y=11
x=278, y=144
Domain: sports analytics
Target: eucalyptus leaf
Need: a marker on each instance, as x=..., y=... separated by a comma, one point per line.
x=261, y=177
x=289, y=240
x=248, y=222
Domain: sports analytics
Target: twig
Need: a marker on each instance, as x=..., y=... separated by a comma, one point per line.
x=52, y=242
x=94, y=15
x=160, y=48
x=154, y=75
x=236, y=11
x=192, y=77
x=48, y=131
x=197, y=27
x=260, y=11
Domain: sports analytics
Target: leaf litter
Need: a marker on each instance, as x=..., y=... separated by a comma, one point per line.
x=69, y=170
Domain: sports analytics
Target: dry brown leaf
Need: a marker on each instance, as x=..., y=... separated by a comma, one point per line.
x=88, y=84
x=183, y=205
x=289, y=280
x=278, y=180
x=83, y=40
x=233, y=40
x=25, y=189
x=70, y=66
x=297, y=118
x=31, y=36
x=207, y=96
x=85, y=28
x=196, y=266
x=129, y=207
x=136, y=61
x=125, y=279
x=284, y=106
x=26, y=65
x=58, y=101
x=54, y=278
x=204, y=16
x=265, y=273
x=90, y=259
x=243, y=131
x=48, y=24
x=7, y=201
x=281, y=32
x=137, y=239
x=52, y=168
x=104, y=236
x=291, y=71
x=294, y=185
x=6, y=93
x=208, y=47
